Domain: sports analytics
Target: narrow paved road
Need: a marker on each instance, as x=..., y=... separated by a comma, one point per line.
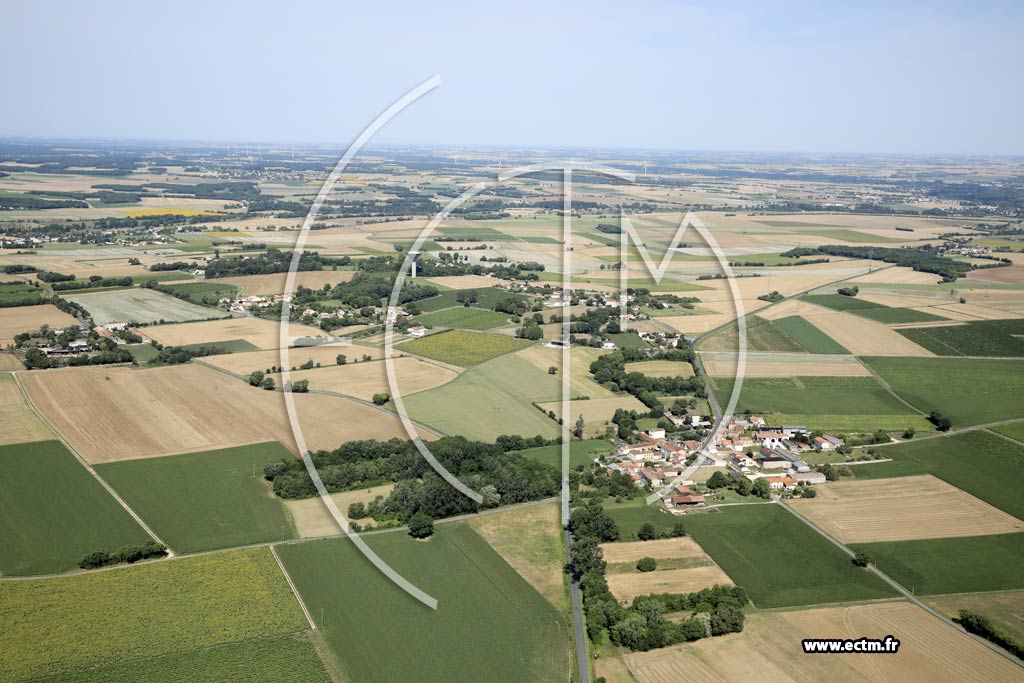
x=582, y=660
x=899, y=587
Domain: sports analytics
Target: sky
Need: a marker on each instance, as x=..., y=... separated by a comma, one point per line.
x=854, y=77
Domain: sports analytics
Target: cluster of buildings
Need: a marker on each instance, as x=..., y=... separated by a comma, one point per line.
x=745, y=447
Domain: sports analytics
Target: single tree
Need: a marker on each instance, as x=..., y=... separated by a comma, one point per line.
x=647, y=532
x=646, y=564
x=421, y=525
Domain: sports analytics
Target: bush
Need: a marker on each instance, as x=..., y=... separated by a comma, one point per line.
x=863, y=559
x=421, y=525
x=646, y=564
x=678, y=530
x=268, y=383
x=381, y=399
x=357, y=510
x=647, y=532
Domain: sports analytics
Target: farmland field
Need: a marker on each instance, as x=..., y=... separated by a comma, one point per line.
x=17, y=293
x=203, y=501
x=51, y=625
x=718, y=363
x=271, y=659
x=953, y=565
x=579, y=452
x=464, y=318
x=683, y=567
x=596, y=413
x=18, y=423
x=326, y=355
x=661, y=368
x=463, y=348
x=762, y=335
x=264, y=334
x=312, y=519
x=487, y=297
x=366, y=615
x=207, y=292
x=1014, y=430
x=120, y=413
x=985, y=466
x=968, y=391
x=490, y=399
x=834, y=422
x=899, y=315
x=363, y=380
x=976, y=338
x=862, y=510
x=52, y=511
x=273, y=283
x=930, y=650
x=141, y=305
x=862, y=336
x=808, y=336
x=1005, y=609
x=823, y=395
x=530, y=540
x=759, y=546
x=30, y=318
x=838, y=302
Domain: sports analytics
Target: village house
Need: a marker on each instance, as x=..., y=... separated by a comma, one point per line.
x=778, y=483
x=416, y=331
x=809, y=478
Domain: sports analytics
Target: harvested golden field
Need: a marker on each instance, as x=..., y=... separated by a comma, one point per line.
x=20, y=319
x=902, y=509
x=627, y=586
x=313, y=520
x=8, y=361
x=862, y=337
x=972, y=311
x=596, y=412
x=907, y=300
x=768, y=650
x=683, y=567
x=530, y=539
x=661, y=368
x=257, y=331
x=325, y=354
x=18, y=424
x=267, y=285
x=723, y=364
x=120, y=413
x=363, y=380
x=662, y=549
x=710, y=315
x=581, y=383
x=897, y=276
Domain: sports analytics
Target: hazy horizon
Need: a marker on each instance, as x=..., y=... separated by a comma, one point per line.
x=796, y=78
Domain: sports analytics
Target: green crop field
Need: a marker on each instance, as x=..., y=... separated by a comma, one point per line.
x=579, y=452
x=486, y=297
x=490, y=399
x=852, y=423
x=141, y=305
x=205, y=292
x=969, y=391
x=854, y=236
x=838, y=302
x=290, y=658
x=19, y=294
x=984, y=465
x=464, y=318
x=762, y=335
x=627, y=340
x=778, y=559
x=475, y=233
x=463, y=348
x=52, y=511
x=953, y=565
x=490, y=625
x=823, y=395
x=897, y=315
x=1014, y=430
x=976, y=338
x=106, y=618
x=808, y=336
x=203, y=501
